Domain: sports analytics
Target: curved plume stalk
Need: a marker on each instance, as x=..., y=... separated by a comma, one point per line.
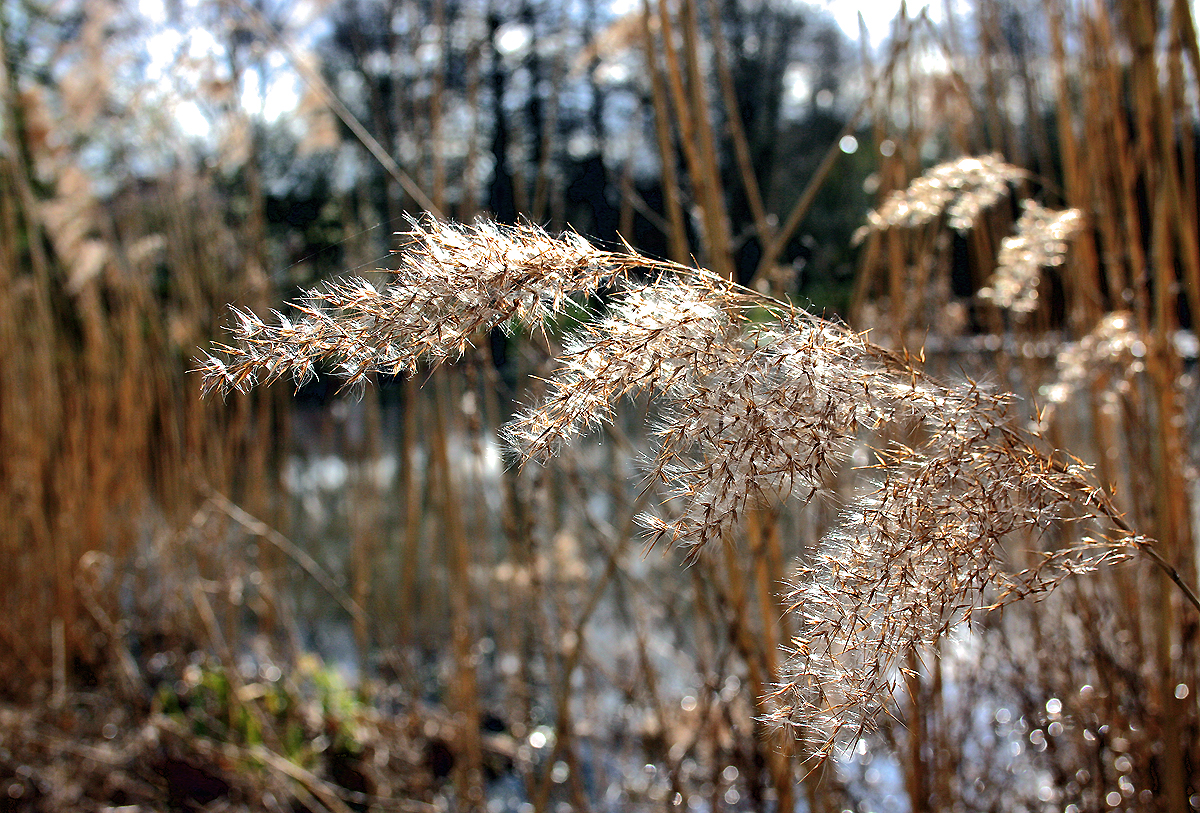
x=759, y=401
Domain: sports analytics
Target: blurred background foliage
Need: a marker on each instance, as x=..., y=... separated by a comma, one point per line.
x=170, y=562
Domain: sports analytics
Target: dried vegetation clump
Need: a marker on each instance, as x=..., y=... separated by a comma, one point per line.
x=118, y=756
x=760, y=401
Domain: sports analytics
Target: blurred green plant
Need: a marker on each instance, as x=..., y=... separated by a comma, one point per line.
x=304, y=713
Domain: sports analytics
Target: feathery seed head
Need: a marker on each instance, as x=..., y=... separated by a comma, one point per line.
x=1040, y=242
x=452, y=283
x=917, y=555
x=752, y=410
x=962, y=189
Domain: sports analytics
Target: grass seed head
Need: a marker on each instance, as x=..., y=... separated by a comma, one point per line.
x=757, y=401
x=961, y=189
x=1040, y=242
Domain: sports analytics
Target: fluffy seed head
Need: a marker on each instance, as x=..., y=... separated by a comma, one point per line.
x=757, y=401
x=452, y=283
x=962, y=189
x=1040, y=242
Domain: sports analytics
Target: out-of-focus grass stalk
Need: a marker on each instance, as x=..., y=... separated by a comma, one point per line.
x=464, y=690
x=676, y=232
x=691, y=115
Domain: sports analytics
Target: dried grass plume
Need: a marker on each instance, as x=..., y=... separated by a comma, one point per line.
x=1040, y=242
x=759, y=402
x=962, y=189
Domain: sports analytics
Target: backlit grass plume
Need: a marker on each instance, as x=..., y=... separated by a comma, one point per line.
x=962, y=189
x=451, y=284
x=1040, y=242
x=759, y=402
x=918, y=553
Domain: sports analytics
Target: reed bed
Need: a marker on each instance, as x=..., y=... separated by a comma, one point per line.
x=1096, y=87
x=99, y=430
x=848, y=502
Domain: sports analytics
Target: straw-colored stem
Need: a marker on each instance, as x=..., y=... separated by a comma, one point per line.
x=733, y=123
x=676, y=233
x=463, y=684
